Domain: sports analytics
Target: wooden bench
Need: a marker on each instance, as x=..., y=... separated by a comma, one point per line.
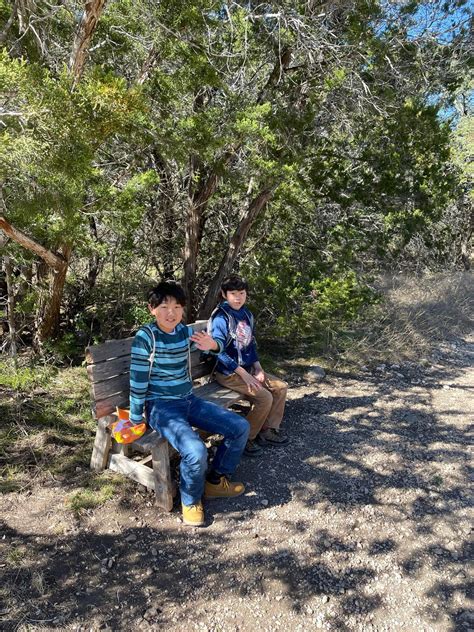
x=146, y=460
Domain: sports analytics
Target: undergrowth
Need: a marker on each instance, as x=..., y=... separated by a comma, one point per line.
x=415, y=314
x=45, y=423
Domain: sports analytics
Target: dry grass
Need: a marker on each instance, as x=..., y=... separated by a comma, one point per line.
x=415, y=313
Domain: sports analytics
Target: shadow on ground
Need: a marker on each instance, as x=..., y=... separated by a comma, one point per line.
x=348, y=454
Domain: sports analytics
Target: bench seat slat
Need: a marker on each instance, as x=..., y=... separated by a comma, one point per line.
x=108, y=350
x=107, y=406
x=106, y=370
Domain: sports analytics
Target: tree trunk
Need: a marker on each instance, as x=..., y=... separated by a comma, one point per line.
x=10, y=308
x=90, y=17
x=94, y=258
x=53, y=260
x=194, y=230
x=47, y=317
x=48, y=314
x=253, y=211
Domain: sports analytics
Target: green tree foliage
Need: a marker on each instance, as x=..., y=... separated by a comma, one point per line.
x=301, y=141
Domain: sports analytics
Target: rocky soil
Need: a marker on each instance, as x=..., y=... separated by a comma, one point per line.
x=361, y=524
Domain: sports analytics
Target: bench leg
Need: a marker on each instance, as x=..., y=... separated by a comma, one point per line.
x=102, y=444
x=162, y=475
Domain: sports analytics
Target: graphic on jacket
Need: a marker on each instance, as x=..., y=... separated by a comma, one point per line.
x=235, y=330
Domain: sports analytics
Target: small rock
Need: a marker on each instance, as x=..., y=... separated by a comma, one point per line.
x=264, y=502
x=324, y=598
x=315, y=374
x=131, y=538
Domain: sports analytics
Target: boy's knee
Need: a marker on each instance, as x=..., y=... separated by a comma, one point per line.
x=264, y=397
x=240, y=427
x=196, y=455
x=283, y=388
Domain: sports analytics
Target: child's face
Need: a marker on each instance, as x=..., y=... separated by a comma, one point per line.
x=235, y=298
x=168, y=314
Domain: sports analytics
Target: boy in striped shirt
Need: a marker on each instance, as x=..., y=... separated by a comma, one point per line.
x=160, y=385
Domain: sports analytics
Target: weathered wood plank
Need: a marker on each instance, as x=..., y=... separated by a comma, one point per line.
x=121, y=448
x=214, y=392
x=199, y=325
x=117, y=366
x=148, y=441
x=162, y=475
x=134, y=470
x=117, y=384
x=108, y=350
x=108, y=405
x=102, y=445
x=108, y=369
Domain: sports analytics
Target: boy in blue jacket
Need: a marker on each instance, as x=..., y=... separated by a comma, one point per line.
x=238, y=367
x=160, y=384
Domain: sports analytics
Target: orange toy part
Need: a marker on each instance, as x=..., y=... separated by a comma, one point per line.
x=123, y=431
x=123, y=413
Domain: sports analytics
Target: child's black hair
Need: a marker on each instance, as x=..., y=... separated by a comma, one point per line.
x=234, y=282
x=163, y=290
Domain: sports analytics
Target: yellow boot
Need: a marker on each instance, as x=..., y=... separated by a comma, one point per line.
x=193, y=515
x=223, y=489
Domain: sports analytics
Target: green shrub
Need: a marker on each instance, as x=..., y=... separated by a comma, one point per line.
x=25, y=378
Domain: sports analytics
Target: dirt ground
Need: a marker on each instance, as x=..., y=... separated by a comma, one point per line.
x=362, y=523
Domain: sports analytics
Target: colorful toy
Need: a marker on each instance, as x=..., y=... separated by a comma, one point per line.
x=123, y=431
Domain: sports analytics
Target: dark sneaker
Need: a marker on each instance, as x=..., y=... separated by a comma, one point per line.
x=273, y=437
x=252, y=449
x=223, y=489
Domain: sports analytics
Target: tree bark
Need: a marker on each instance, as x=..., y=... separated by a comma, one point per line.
x=10, y=308
x=54, y=261
x=194, y=230
x=253, y=211
x=8, y=24
x=47, y=318
x=49, y=310
x=90, y=17
x=94, y=258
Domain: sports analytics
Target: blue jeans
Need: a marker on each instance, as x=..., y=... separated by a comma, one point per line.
x=173, y=419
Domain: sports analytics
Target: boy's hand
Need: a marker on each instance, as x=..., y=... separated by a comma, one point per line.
x=258, y=372
x=204, y=342
x=252, y=383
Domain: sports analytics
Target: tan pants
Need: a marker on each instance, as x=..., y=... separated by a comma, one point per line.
x=268, y=403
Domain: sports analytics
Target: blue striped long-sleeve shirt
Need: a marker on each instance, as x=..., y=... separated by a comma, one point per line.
x=170, y=374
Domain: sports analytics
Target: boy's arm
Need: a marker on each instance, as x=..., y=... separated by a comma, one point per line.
x=219, y=332
x=204, y=342
x=139, y=374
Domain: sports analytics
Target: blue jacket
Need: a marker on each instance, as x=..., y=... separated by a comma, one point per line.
x=235, y=331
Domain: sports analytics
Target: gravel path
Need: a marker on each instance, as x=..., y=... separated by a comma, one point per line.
x=362, y=524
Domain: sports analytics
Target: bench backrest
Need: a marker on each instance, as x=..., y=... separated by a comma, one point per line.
x=108, y=368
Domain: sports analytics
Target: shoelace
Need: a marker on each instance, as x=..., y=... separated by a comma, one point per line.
x=225, y=482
